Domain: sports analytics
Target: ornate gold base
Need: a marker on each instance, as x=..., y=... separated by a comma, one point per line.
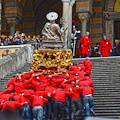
x=48, y=58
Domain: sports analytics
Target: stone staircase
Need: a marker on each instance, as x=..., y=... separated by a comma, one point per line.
x=3, y=81
x=106, y=78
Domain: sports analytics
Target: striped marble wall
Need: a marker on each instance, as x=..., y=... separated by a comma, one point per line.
x=13, y=9
x=96, y=22
x=23, y=10
x=28, y=22
x=84, y=6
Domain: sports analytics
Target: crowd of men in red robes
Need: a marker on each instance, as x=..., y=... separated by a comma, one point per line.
x=82, y=45
x=49, y=95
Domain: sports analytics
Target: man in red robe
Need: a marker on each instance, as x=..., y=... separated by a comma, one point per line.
x=105, y=47
x=85, y=45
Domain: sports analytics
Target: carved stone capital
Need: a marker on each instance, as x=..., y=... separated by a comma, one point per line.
x=72, y=2
x=12, y=21
x=64, y=1
x=106, y=15
x=84, y=16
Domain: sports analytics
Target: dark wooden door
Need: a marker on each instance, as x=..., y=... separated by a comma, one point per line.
x=117, y=30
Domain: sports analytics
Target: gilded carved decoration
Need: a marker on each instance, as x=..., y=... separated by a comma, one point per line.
x=117, y=6
x=51, y=59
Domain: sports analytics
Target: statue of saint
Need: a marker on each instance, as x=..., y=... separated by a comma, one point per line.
x=51, y=30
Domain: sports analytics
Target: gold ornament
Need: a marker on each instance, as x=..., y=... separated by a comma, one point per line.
x=51, y=58
x=117, y=6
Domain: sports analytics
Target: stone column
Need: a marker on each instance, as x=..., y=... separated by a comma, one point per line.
x=109, y=25
x=84, y=10
x=84, y=17
x=110, y=30
x=12, y=23
x=70, y=23
x=66, y=17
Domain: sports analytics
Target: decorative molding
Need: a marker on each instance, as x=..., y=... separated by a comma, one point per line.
x=64, y=1
x=71, y=2
x=111, y=15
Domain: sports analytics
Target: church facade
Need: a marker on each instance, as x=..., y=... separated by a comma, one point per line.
x=29, y=16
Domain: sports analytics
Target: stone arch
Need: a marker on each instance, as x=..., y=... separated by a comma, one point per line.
x=110, y=5
x=40, y=13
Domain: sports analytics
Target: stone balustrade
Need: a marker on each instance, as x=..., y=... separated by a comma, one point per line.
x=16, y=60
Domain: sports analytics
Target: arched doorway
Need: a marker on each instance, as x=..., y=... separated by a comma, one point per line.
x=112, y=21
x=117, y=22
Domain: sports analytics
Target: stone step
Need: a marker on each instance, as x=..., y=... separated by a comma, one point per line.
x=106, y=96
x=108, y=111
x=104, y=65
x=107, y=93
x=4, y=79
x=105, y=68
x=106, y=105
x=102, y=69
x=96, y=79
x=107, y=108
x=112, y=78
x=101, y=84
x=101, y=91
x=105, y=86
x=104, y=74
x=108, y=117
x=106, y=100
x=101, y=72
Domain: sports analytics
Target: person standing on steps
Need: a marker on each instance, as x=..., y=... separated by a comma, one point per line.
x=75, y=36
x=105, y=47
x=85, y=43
